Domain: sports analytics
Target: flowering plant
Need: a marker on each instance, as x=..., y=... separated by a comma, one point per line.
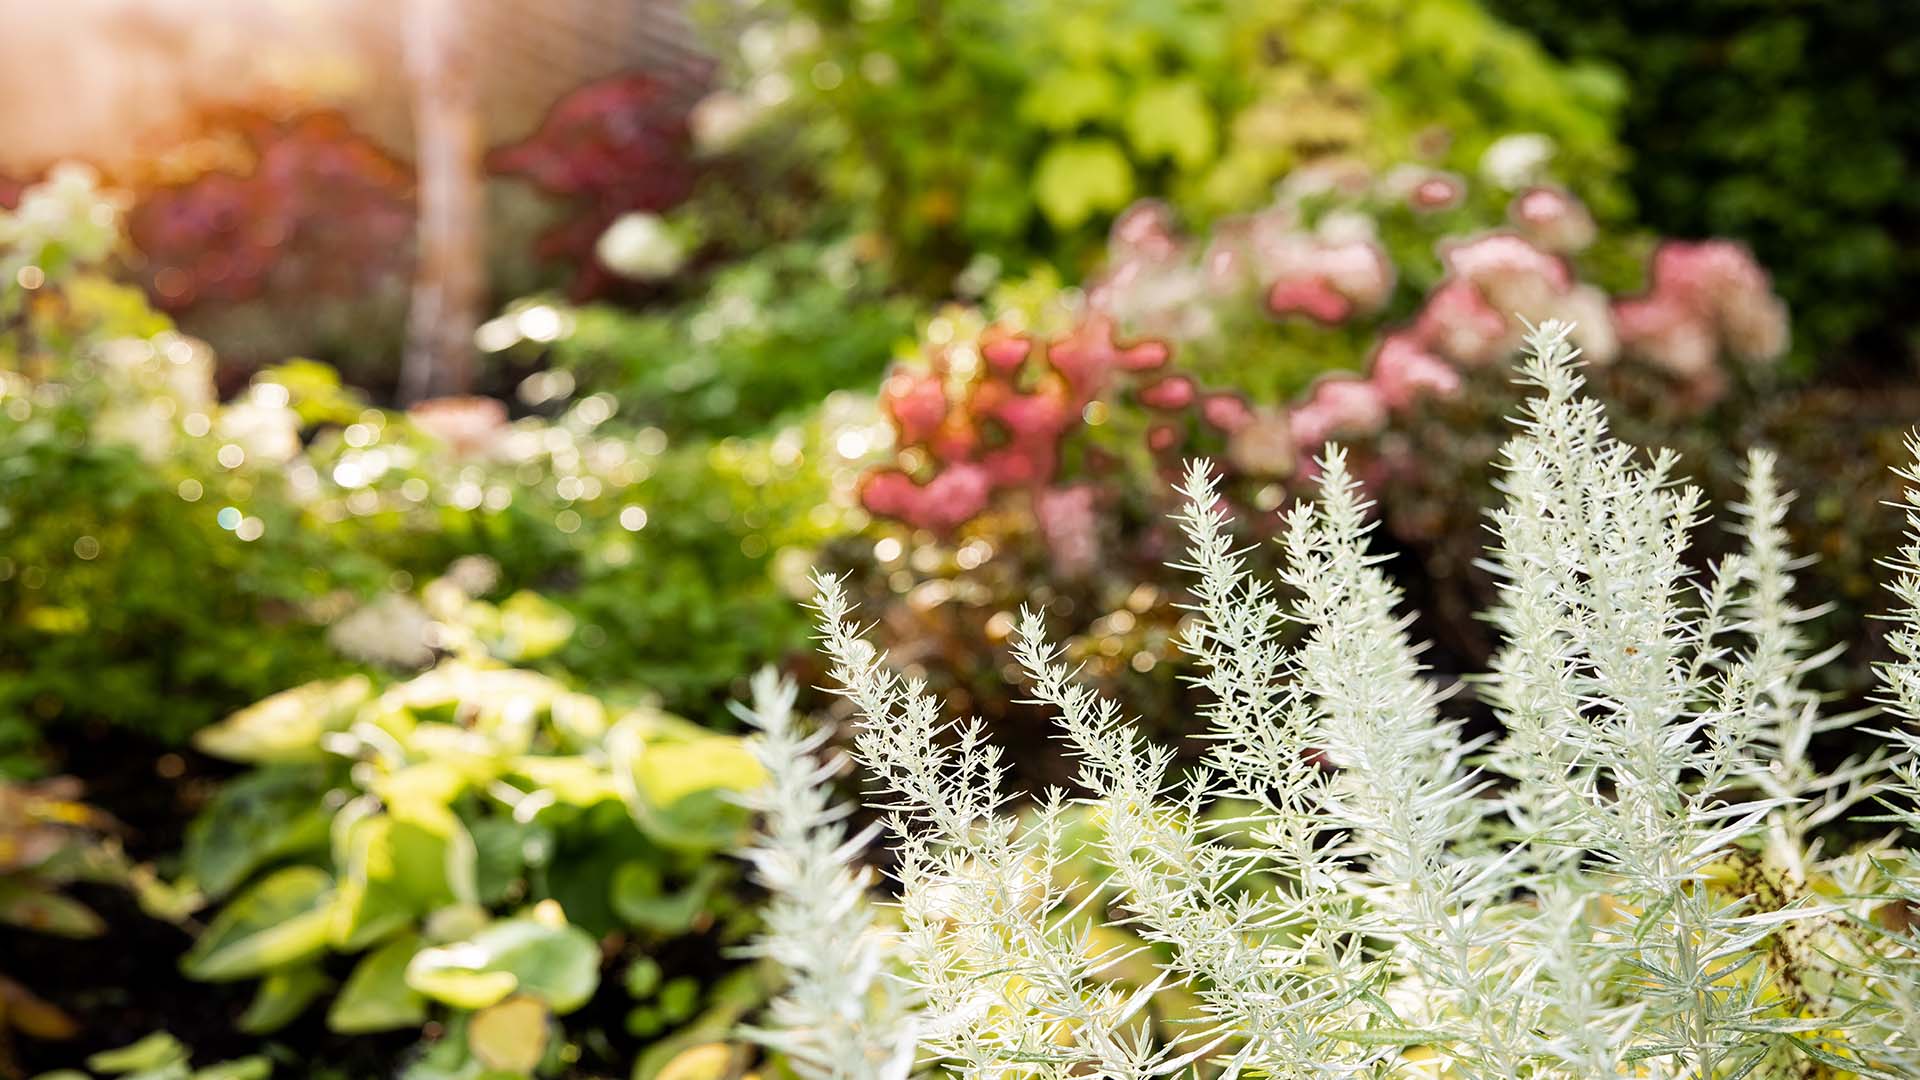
x=1632, y=879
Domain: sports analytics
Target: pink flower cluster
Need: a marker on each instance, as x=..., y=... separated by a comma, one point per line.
x=998, y=422
x=1706, y=298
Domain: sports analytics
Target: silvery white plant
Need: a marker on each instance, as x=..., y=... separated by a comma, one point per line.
x=838, y=1018
x=1629, y=881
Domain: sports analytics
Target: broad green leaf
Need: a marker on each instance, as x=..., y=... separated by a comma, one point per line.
x=531, y=627
x=511, y=1036
x=287, y=726
x=256, y=1067
x=155, y=1051
x=282, y=997
x=640, y=900
x=1172, y=119
x=376, y=996
x=1064, y=98
x=575, y=780
x=395, y=871
x=559, y=964
x=680, y=788
x=1081, y=177
x=256, y=820
x=282, y=920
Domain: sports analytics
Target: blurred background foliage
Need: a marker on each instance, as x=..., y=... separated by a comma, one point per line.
x=933, y=295
x=1766, y=120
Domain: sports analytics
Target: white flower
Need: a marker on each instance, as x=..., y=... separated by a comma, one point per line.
x=268, y=434
x=393, y=631
x=1516, y=161
x=641, y=246
x=721, y=120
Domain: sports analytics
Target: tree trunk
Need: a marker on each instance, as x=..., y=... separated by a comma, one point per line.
x=449, y=282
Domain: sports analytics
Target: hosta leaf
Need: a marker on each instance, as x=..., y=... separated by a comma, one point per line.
x=376, y=996
x=396, y=870
x=157, y=1050
x=640, y=900
x=282, y=997
x=257, y=1067
x=708, y=1061
x=287, y=726
x=255, y=820
x=1172, y=119
x=558, y=964
x=25, y=904
x=530, y=627
x=1064, y=98
x=1079, y=178
x=282, y=920
x=574, y=780
x=511, y=1036
x=681, y=789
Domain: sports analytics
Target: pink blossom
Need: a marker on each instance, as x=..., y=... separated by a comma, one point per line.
x=1226, y=412
x=1403, y=372
x=1161, y=437
x=1312, y=297
x=917, y=403
x=1145, y=229
x=1497, y=260
x=1069, y=527
x=1006, y=353
x=1172, y=392
x=1553, y=219
x=1457, y=322
x=1438, y=191
x=1340, y=405
x=951, y=498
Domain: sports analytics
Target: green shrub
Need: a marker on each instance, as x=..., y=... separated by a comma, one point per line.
x=770, y=336
x=1015, y=132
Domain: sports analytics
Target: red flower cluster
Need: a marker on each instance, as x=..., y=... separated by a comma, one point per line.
x=1014, y=398
x=323, y=211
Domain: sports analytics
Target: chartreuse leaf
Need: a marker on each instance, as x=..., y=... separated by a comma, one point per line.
x=156, y=1051
x=1078, y=178
x=1172, y=119
x=531, y=627
x=680, y=786
x=280, y=921
x=376, y=996
x=511, y=1036
x=1064, y=98
x=396, y=870
x=283, y=995
x=537, y=955
x=287, y=726
x=708, y=1061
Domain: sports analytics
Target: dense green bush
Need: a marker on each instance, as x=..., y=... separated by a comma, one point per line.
x=770, y=335
x=1779, y=123
x=1016, y=132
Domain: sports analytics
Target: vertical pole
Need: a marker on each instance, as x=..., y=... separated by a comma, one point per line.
x=449, y=281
